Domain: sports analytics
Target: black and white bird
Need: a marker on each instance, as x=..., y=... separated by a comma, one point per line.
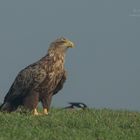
x=76, y=105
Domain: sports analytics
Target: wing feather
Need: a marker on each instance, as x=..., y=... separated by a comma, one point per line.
x=27, y=80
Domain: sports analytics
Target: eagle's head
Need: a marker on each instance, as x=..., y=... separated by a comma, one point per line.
x=61, y=44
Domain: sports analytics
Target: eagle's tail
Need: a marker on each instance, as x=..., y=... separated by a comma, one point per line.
x=5, y=107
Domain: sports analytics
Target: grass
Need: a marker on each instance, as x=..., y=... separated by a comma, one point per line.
x=62, y=124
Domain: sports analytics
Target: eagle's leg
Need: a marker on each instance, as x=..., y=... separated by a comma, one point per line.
x=46, y=103
x=31, y=102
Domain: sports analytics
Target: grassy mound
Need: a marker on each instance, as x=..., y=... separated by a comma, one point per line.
x=62, y=124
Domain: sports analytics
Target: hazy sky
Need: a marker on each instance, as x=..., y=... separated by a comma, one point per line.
x=103, y=69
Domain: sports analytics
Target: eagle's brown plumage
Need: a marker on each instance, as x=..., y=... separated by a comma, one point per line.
x=40, y=80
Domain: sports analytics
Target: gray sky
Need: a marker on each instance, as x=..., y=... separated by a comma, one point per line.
x=103, y=69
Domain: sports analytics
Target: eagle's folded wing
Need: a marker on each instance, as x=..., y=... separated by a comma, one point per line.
x=27, y=80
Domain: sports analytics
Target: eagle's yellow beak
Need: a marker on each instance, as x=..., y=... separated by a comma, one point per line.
x=71, y=44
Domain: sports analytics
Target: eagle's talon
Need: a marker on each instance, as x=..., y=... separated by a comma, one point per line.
x=35, y=112
x=45, y=111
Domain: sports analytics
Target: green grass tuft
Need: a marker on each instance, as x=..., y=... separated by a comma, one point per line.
x=63, y=124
